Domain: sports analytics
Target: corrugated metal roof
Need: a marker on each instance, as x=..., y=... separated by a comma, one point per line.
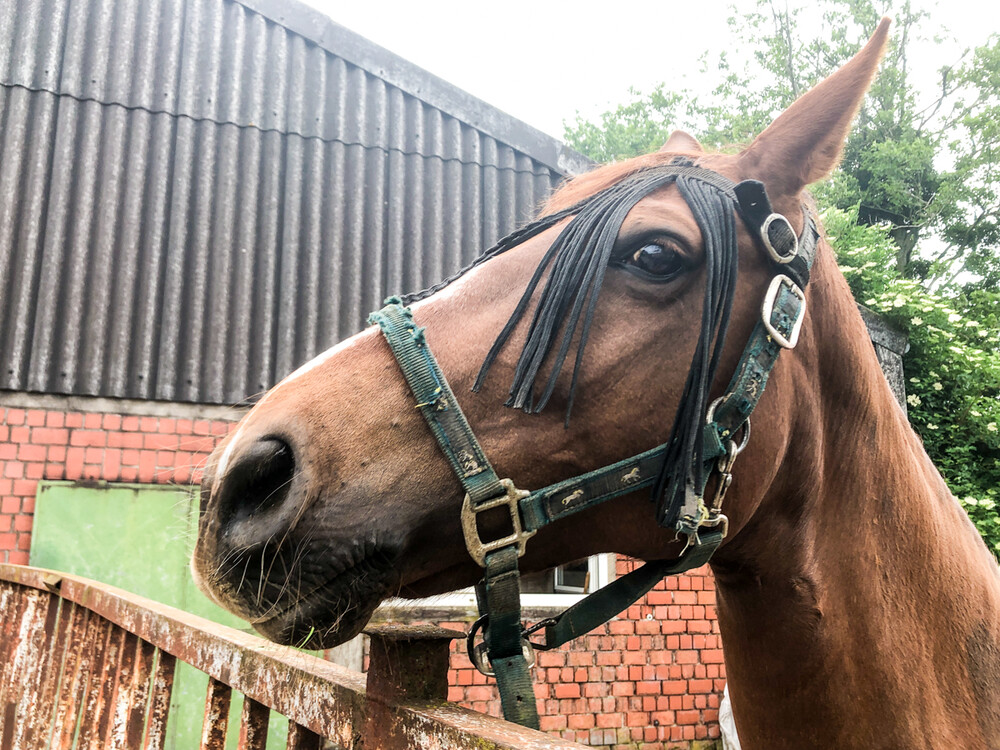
x=198, y=195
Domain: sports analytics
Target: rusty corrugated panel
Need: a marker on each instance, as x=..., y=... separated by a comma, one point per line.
x=196, y=196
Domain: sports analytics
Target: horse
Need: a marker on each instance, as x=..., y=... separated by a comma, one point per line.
x=858, y=606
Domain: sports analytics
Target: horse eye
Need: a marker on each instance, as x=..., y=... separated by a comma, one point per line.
x=657, y=260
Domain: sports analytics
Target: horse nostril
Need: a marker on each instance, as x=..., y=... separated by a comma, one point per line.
x=257, y=480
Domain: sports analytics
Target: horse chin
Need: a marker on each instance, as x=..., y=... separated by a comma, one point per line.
x=330, y=615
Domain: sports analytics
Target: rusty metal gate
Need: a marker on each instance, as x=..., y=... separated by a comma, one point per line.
x=85, y=665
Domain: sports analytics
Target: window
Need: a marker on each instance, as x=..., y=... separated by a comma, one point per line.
x=555, y=588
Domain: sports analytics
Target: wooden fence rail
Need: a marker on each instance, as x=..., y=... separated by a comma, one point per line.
x=84, y=665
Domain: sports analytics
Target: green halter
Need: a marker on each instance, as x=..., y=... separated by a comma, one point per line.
x=507, y=650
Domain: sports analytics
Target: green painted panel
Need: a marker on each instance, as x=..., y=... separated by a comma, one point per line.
x=138, y=537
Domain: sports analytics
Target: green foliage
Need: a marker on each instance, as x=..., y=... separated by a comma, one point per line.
x=953, y=366
x=638, y=127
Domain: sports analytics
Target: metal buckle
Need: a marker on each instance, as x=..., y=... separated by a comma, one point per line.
x=480, y=658
x=766, y=239
x=478, y=549
x=767, y=310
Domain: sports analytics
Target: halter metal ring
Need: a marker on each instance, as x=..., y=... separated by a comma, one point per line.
x=511, y=499
x=765, y=237
x=480, y=658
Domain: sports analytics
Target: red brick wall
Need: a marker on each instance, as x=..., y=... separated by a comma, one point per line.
x=649, y=680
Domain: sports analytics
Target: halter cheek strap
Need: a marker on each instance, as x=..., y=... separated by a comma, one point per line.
x=507, y=647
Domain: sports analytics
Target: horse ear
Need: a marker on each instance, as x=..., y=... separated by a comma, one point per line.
x=804, y=143
x=681, y=141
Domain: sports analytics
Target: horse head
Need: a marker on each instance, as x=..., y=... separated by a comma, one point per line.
x=332, y=495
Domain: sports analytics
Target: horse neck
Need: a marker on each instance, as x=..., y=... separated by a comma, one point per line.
x=851, y=604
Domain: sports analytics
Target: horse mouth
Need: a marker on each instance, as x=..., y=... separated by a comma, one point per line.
x=332, y=612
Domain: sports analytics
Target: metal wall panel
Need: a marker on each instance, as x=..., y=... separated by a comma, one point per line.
x=195, y=197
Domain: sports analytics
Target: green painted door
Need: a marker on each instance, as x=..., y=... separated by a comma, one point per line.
x=138, y=537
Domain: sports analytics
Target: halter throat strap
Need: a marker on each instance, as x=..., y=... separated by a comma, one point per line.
x=507, y=648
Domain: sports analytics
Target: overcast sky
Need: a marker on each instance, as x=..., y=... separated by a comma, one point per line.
x=543, y=61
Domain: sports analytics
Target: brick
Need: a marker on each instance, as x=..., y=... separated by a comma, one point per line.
x=552, y=723
x=158, y=441
x=636, y=719
x=50, y=436
x=17, y=557
x=647, y=687
x=86, y=438
x=647, y=627
x=57, y=453
x=55, y=419
x=567, y=690
x=27, y=487
x=125, y=440
x=74, y=419
x=24, y=541
x=74, y=463
x=93, y=421
x=20, y=434
x=167, y=425
x=10, y=505
x=23, y=523
x=93, y=455
x=35, y=418
x=699, y=686
x=685, y=597
x=581, y=658
x=581, y=721
x=111, y=422
x=712, y=656
x=688, y=717
x=147, y=466
x=184, y=427
x=111, y=465
x=8, y=452
x=28, y=505
x=130, y=424
x=13, y=470
x=608, y=658
x=15, y=416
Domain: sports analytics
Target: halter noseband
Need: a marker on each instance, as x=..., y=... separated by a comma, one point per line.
x=507, y=648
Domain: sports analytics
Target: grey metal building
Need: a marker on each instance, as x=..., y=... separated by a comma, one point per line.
x=198, y=195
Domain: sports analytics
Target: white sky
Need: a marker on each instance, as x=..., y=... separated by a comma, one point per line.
x=545, y=60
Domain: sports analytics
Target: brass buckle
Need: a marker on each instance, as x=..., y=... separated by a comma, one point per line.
x=767, y=310
x=478, y=549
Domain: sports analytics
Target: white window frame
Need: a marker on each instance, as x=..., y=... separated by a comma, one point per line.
x=602, y=572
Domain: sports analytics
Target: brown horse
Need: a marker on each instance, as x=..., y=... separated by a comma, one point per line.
x=857, y=604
